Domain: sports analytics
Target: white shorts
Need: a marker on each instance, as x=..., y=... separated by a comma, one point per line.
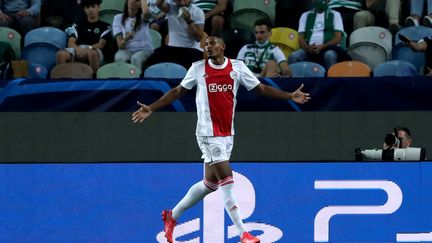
x=215, y=149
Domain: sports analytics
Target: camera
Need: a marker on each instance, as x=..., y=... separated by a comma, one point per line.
x=398, y=154
x=392, y=140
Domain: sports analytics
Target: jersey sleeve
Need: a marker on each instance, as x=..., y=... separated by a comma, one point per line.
x=302, y=22
x=116, y=25
x=241, y=54
x=279, y=56
x=189, y=81
x=247, y=78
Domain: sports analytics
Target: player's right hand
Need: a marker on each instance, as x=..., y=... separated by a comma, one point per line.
x=142, y=113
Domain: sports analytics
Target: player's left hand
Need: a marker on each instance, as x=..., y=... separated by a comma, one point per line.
x=299, y=97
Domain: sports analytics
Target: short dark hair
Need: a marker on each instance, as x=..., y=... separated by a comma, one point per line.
x=264, y=21
x=85, y=3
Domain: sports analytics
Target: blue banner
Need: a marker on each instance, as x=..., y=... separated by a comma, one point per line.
x=280, y=202
x=328, y=94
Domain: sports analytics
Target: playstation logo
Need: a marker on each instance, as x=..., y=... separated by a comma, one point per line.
x=214, y=218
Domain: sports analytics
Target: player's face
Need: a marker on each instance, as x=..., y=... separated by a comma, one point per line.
x=262, y=34
x=214, y=47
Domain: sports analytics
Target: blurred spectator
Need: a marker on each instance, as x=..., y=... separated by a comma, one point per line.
x=157, y=17
x=347, y=9
x=416, y=11
x=87, y=38
x=21, y=15
x=263, y=58
x=320, y=33
x=131, y=31
x=215, y=12
x=185, y=31
x=384, y=13
x=424, y=45
x=288, y=12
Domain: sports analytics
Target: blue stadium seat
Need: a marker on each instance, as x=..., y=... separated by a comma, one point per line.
x=165, y=70
x=405, y=53
x=307, y=69
x=37, y=71
x=41, y=53
x=396, y=68
x=415, y=33
x=50, y=35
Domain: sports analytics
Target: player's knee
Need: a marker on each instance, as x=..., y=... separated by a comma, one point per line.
x=212, y=186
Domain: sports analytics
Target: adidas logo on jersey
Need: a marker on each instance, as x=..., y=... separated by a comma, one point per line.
x=219, y=87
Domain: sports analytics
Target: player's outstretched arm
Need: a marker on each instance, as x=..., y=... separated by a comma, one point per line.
x=297, y=96
x=146, y=110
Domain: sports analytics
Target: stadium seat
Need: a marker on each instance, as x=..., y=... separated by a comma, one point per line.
x=108, y=15
x=156, y=38
x=73, y=70
x=415, y=33
x=118, y=70
x=41, y=53
x=112, y=5
x=371, y=45
x=50, y=35
x=37, y=71
x=165, y=70
x=236, y=38
x=396, y=68
x=286, y=39
x=307, y=69
x=12, y=37
x=349, y=69
x=246, y=12
x=405, y=53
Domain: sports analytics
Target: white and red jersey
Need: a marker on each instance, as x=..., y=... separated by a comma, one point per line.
x=217, y=87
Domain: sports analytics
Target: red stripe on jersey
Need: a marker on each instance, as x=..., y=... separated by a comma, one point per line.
x=220, y=92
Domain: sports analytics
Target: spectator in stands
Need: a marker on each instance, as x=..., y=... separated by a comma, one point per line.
x=87, y=38
x=131, y=31
x=424, y=45
x=263, y=58
x=214, y=12
x=185, y=31
x=21, y=15
x=384, y=13
x=347, y=9
x=416, y=11
x=320, y=33
x=157, y=18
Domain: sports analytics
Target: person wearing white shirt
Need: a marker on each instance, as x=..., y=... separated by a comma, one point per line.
x=131, y=30
x=185, y=31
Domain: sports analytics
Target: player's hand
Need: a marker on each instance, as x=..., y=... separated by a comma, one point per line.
x=299, y=97
x=142, y=113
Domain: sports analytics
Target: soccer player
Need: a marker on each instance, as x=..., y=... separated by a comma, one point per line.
x=217, y=79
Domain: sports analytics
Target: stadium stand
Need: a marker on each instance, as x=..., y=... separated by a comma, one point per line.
x=349, y=69
x=307, y=69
